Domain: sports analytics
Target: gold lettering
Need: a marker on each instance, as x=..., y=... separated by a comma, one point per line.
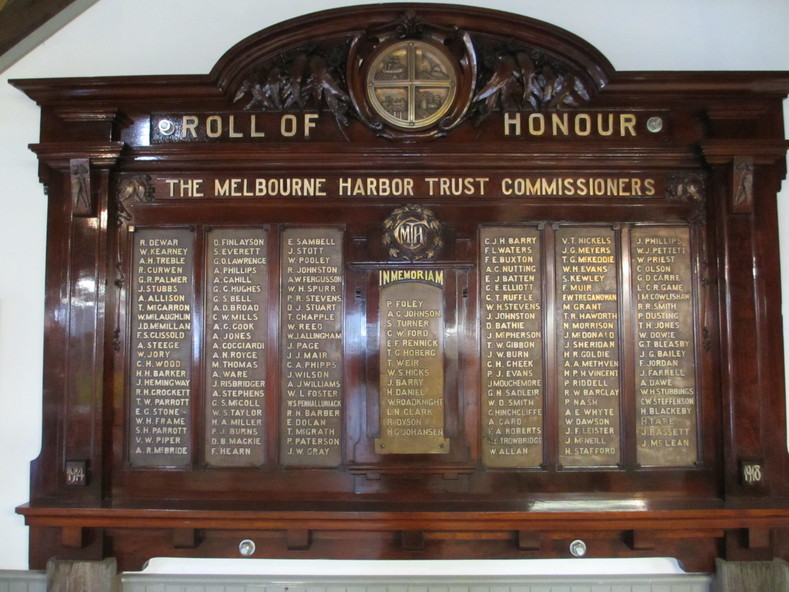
x=563, y=124
x=189, y=125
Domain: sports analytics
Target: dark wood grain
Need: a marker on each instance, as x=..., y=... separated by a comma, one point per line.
x=466, y=171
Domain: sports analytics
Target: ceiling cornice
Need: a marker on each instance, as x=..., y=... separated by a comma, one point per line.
x=24, y=24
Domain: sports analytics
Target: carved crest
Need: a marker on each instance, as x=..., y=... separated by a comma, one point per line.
x=411, y=78
x=415, y=78
x=411, y=84
x=412, y=232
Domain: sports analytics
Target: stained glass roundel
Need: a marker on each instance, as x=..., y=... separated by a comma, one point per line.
x=411, y=84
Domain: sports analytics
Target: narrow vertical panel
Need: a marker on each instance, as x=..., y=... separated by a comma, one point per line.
x=512, y=347
x=588, y=343
x=84, y=375
x=411, y=385
x=162, y=309
x=665, y=360
x=745, y=412
x=311, y=344
x=235, y=346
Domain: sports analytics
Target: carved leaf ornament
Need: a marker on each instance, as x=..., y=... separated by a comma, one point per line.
x=304, y=79
x=523, y=80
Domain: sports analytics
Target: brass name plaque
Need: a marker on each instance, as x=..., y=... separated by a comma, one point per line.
x=666, y=367
x=588, y=345
x=512, y=346
x=235, y=346
x=162, y=318
x=411, y=321
x=311, y=324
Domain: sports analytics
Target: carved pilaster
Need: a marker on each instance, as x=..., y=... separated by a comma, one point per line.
x=743, y=156
x=742, y=185
x=77, y=159
x=82, y=202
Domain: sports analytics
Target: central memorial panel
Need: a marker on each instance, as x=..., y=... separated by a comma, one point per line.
x=537, y=387
x=411, y=358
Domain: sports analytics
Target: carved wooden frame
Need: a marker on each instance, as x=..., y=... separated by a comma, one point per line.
x=106, y=142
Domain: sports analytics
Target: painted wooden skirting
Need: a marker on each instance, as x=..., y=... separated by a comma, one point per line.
x=22, y=581
x=217, y=583
x=32, y=581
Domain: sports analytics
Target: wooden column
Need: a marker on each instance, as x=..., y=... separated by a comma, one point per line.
x=82, y=576
x=765, y=576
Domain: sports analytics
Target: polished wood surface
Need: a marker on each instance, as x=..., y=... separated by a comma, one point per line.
x=122, y=156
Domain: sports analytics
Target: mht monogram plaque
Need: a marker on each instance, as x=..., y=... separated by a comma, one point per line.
x=412, y=281
x=413, y=233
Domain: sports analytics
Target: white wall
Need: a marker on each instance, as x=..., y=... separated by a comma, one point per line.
x=122, y=37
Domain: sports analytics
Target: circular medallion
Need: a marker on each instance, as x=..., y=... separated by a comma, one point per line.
x=411, y=84
x=412, y=232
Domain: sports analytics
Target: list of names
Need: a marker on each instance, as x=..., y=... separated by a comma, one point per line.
x=512, y=345
x=665, y=362
x=237, y=320
x=583, y=274
x=161, y=331
x=311, y=323
x=411, y=321
x=588, y=338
